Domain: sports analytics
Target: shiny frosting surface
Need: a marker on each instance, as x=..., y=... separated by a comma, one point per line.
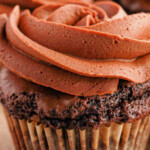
x=78, y=48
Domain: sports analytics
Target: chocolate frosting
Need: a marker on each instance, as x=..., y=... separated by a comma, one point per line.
x=51, y=76
x=83, y=46
x=35, y=3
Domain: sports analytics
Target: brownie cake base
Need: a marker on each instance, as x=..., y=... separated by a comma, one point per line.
x=115, y=121
x=25, y=100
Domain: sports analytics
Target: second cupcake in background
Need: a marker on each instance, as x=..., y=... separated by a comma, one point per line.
x=134, y=6
x=76, y=76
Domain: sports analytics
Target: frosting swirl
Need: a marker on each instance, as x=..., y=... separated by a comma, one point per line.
x=35, y=3
x=77, y=48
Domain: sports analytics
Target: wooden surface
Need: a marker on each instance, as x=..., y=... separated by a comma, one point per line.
x=6, y=142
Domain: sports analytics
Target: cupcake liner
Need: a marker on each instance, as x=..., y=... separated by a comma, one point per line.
x=127, y=136
x=19, y=135
x=105, y=137
x=82, y=139
x=12, y=130
x=25, y=133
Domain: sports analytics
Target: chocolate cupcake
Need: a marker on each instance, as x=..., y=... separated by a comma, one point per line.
x=136, y=5
x=76, y=76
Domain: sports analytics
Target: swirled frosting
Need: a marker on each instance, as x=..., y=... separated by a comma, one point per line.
x=6, y=5
x=35, y=3
x=77, y=48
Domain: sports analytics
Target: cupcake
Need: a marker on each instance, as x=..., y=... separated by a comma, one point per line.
x=136, y=5
x=76, y=76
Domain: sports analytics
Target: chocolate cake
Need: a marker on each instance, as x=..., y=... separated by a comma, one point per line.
x=134, y=6
x=82, y=79
x=77, y=68
x=26, y=100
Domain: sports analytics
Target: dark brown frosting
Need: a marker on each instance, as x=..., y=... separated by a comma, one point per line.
x=35, y=3
x=80, y=45
x=51, y=76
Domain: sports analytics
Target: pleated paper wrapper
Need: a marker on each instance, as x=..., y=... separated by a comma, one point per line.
x=127, y=136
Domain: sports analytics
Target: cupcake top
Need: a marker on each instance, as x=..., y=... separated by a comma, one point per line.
x=77, y=48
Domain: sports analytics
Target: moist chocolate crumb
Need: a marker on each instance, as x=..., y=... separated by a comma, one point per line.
x=129, y=103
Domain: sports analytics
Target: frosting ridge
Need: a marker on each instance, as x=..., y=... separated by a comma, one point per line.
x=35, y=3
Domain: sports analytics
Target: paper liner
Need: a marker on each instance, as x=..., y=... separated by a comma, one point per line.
x=105, y=137
x=83, y=139
x=33, y=135
x=16, y=125
x=116, y=131
x=12, y=130
x=128, y=136
x=50, y=138
x=26, y=136
x=72, y=139
x=125, y=135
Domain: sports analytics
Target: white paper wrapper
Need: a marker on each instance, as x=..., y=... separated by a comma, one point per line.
x=129, y=136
